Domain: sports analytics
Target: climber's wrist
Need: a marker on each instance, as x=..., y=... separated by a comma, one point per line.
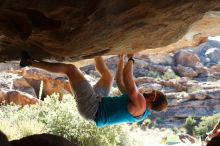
x=131, y=59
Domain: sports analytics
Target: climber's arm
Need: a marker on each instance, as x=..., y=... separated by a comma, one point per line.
x=119, y=74
x=135, y=96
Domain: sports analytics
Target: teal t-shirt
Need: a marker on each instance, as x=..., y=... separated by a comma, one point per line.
x=114, y=110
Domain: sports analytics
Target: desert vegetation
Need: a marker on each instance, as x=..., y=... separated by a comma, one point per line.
x=62, y=118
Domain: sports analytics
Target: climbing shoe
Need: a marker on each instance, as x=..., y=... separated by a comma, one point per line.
x=24, y=59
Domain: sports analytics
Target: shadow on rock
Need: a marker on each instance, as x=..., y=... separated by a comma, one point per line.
x=36, y=140
x=42, y=140
x=3, y=140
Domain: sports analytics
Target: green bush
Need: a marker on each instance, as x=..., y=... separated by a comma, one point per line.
x=147, y=123
x=73, y=127
x=153, y=74
x=59, y=118
x=194, y=89
x=169, y=74
x=15, y=124
x=206, y=125
x=190, y=123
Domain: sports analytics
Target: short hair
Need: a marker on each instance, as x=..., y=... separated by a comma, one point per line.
x=160, y=101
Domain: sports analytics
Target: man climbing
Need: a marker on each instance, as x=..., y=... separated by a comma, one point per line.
x=94, y=103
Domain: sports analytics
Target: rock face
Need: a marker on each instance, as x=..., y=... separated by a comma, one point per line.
x=72, y=30
x=27, y=86
x=36, y=140
x=18, y=92
x=42, y=139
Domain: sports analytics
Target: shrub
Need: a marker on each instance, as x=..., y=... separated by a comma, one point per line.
x=153, y=74
x=147, y=123
x=73, y=127
x=194, y=89
x=206, y=125
x=159, y=120
x=15, y=124
x=190, y=123
x=59, y=118
x=169, y=74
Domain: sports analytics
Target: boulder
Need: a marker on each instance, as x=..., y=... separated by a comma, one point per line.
x=25, y=86
x=214, y=93
x=186, y=58
x=201, y=50
x=17, y=98
x=148, y=87
x=15, y=89
x=22, y=85
x=197, y=108
x=75, y=30
x=37, y=140
x=214, y=55
x=184, y=71
x=201, y=95
x=209, y=52
x=142, y=80
x=50, y=86
x=178, y=86
x=202, y=71
x=186, y=138
x=50, y=82
x=214, y=41
x=215, y=68
x=162, y=59
x=42, y=140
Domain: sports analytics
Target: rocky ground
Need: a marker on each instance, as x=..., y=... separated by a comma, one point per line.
x=158, y=137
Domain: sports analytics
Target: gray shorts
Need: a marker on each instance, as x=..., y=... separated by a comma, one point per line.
x=88, y=98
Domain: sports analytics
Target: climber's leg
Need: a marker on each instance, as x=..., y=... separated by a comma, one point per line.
x=103, y=86
x=85, y=96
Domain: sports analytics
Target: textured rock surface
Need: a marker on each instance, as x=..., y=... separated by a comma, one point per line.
x=15, y=89
x=36, y=140
x=42, y=139
x=26, y=86
x=16, y=97
x=72, y=30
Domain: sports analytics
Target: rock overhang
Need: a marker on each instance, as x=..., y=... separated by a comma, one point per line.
x=79, y=29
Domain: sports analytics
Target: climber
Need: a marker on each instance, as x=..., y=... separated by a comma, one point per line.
x=94, y=103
